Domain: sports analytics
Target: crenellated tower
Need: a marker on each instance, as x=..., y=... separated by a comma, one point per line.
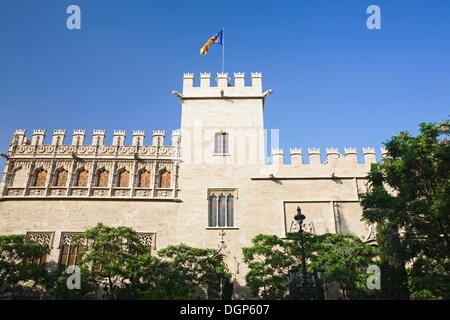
x=230, y=108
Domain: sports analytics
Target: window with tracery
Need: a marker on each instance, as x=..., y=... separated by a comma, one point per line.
x=40, y=178
x=82, y=178
x=221, y=209
x=102, y=178
x=19, y=177
x=70, y=250
x=146, y=240
x=165, y=178
x=42, y=238
x=144, y=179
x=61, y=178
x=124, y=179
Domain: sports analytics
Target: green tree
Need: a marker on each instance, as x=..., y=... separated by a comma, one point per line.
x=115, y=265
x=344, y=257
x=110, y=259
x=198, y=271
x=17, y=275
x=408, y=197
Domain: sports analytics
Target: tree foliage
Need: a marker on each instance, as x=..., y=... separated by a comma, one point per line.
x=116, y=265
x=18, y=276
x=408, y=197
x=344, y=257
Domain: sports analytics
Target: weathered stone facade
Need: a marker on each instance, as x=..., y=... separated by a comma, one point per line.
x=169, y=193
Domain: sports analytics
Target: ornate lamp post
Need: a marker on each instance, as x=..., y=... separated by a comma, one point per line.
x=306, y=291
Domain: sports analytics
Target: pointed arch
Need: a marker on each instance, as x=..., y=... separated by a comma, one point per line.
x=40, y=178
x=222, y=211
x=230, y=210
x=225, y=288
x=19, y=177
x=102, y=178
x=164, y=179
x=144, y=178
x=61, y=176
x=212, y=217
x=82, y=178
x=123, y=178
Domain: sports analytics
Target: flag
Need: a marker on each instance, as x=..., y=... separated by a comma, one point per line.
x=217, y=38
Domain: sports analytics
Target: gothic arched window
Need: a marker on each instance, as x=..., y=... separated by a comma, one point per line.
x=221, y=209
x=40, y=178
x=230, y=210
x=19, y=177
x=164, y=179
x=61, y=178
x=124, y=179
x=221, y=143
x=102, y=178
x=212, y=216
x=144, y=179
x=82, y=178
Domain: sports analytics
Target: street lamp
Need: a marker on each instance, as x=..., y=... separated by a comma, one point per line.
x=306, y=289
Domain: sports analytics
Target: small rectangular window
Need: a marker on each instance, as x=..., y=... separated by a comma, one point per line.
x=221, y=143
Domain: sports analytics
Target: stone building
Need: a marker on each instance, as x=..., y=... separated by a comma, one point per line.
x=211, y=187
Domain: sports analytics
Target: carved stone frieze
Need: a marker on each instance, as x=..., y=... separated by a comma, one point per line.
x=143, y=193
x=80, y=192
x=121, y=193
x=36, y=192
x=57, y=192
x=93, y=159
x=15, y=192
x=100, y=192
x=41, y=237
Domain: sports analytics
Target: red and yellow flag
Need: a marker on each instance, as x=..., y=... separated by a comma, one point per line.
x=217, y=38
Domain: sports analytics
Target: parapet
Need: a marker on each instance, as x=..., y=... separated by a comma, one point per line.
x=314, y=156
x=98, y=138
x=78, y=137
x=226, y=86
x=158, y=137
x=119, y=137
x=334, y=158
x=58, y=137
x=138, y=138
x=277, y=156
x=19, y=138
x=38, y=137
x=296, y=156
x=369, y=155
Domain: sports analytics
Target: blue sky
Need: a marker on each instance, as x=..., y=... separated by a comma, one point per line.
x=335, y=82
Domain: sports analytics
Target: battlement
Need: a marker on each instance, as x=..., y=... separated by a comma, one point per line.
x=159, y=132
x=295, y=151
x=334, y=157
x=98, y=138
x=226, y=86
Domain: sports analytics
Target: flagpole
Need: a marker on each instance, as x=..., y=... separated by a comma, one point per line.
x=223, y=49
